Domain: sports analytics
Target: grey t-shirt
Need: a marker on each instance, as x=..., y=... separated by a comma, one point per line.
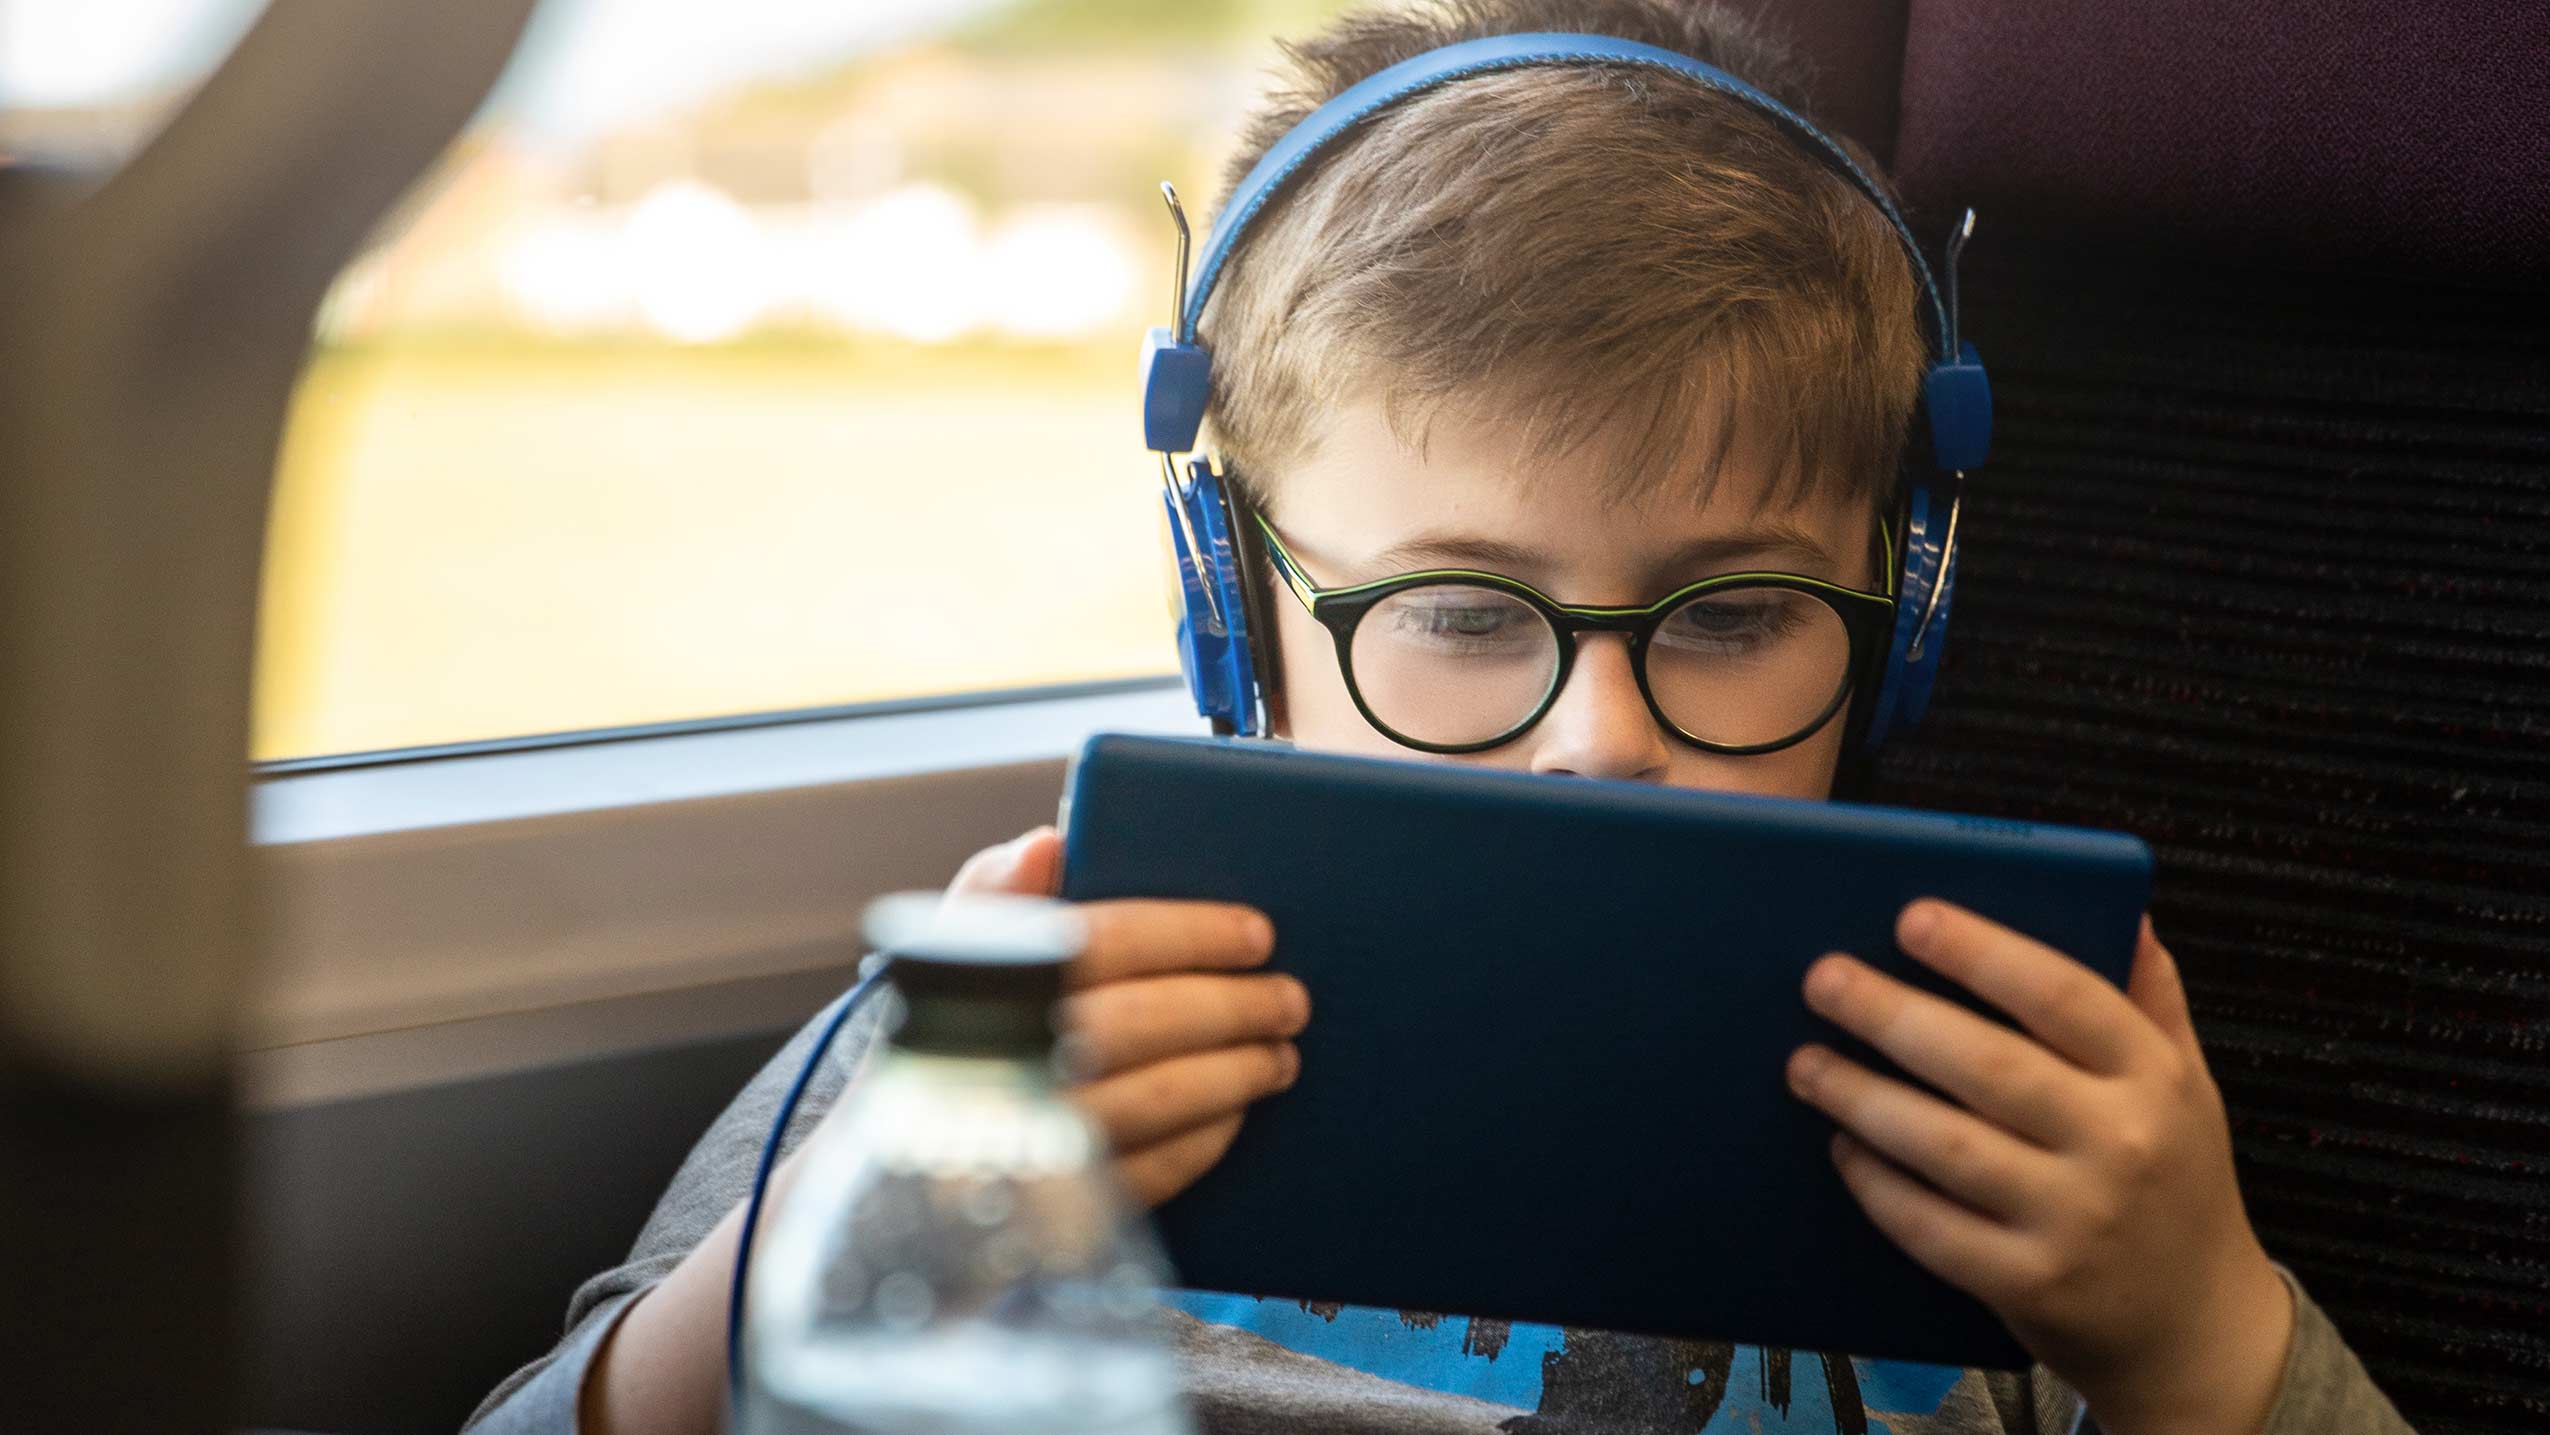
x=1266, y=1366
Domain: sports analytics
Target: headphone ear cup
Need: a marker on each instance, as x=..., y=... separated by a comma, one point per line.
x=1213, y=613
x=1903, y=684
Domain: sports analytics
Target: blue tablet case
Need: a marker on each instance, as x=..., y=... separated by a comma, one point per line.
x=1543, y=1075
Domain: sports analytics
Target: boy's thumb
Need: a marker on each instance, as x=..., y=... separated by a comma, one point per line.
x=1029, y=864
x=2154, y=986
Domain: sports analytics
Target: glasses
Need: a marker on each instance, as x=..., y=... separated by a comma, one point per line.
x=1452, y=661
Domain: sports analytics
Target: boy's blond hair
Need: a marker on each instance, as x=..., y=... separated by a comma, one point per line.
x=1568, y=247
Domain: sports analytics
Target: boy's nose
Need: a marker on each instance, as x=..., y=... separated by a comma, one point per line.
x=1600, y=725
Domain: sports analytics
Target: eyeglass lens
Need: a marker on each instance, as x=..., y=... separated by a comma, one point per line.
x=1454, y=664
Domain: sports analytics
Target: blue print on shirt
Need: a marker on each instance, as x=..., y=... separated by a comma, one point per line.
x=1902, y=1386
x=1438, y=1356
x=1763, y=1391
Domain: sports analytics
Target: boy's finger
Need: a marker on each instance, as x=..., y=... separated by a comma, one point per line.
x=1156, y=1173
x=1956, y=1245
x=2155, y=987
x=2064, y=1003
x=1998, y=1073
x=1140, y=937
x=1124, y=1024
x=1029, y=864
x=1977, y=1163
x=1040, y=863
x=1150, y=1104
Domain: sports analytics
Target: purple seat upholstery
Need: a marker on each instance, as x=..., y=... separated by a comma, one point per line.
x=1857, y=48
x=2396, y=135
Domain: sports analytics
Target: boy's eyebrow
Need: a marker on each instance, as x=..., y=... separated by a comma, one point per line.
x=1453, y=550
x=1769, y=538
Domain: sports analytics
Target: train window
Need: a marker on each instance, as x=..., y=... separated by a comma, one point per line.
x=778, y=362
x=83, y=85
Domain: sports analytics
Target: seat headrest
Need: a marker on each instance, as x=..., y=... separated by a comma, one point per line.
x=2338, y=134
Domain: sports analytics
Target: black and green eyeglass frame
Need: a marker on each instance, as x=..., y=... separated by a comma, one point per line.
x=1867, y=618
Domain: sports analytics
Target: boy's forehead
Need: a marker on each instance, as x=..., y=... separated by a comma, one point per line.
x=1723, y=465
x=1372, y=496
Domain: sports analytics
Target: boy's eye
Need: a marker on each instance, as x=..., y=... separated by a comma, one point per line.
x=1454, y=619
x=1739, y=623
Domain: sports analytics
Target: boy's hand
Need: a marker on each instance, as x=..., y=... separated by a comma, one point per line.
x=2082, y=1185
x=1175, y=1034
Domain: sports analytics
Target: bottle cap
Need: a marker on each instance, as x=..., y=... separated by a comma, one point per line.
x=978, y=973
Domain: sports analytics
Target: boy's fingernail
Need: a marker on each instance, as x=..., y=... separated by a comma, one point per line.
x=1290, y=1057
x=1914, y=927
x=1805, y=1064
x=1297, y=1005
x=1824, y=979
x=1261, y=933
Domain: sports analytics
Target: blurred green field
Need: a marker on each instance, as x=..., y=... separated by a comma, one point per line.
x=488, y=541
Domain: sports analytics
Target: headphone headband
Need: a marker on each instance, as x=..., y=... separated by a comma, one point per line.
x=1176, y=373
x=1367, y=97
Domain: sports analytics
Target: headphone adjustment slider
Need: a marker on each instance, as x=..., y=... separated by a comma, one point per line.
x=1939, y=580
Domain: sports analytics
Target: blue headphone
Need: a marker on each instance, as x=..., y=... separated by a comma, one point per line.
x=1217, y=620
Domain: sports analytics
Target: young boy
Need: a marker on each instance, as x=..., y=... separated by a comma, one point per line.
x=1607, y=333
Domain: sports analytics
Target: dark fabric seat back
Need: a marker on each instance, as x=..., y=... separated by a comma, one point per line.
x=2261, y=571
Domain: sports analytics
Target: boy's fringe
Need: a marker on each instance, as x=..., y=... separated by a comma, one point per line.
x=1595, y=255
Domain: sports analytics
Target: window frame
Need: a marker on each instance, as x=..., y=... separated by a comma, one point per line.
x=441, y=913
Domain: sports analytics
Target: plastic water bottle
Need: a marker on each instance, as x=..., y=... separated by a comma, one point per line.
x=954, y=1257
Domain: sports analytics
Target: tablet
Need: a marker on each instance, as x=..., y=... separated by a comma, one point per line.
x=1543, y=1078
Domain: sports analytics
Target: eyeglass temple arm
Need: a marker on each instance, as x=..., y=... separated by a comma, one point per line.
x=1285, y=568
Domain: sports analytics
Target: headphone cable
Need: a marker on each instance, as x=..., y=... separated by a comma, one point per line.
x=850, y=1004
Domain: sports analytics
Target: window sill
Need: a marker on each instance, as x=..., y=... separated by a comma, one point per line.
x=441, y=917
